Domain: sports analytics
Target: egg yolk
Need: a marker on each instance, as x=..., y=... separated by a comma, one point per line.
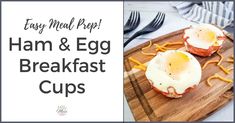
x=206, y=35
x=177, y=62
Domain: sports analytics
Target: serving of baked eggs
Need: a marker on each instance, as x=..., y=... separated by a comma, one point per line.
x=173, y=72
x=203, y=39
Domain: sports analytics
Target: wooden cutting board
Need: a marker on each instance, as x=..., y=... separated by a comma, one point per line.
x=148, y=105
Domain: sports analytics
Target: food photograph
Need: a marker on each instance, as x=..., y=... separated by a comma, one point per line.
x=178, y=61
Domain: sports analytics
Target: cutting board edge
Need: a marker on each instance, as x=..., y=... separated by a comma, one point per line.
x=220, y=107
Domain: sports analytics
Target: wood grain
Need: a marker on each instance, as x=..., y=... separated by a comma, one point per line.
x=148, y=105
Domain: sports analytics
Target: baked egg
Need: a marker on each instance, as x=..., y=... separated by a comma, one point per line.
x=173, y=72
x=203, y=39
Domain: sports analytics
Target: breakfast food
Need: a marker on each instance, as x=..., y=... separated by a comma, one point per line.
x=145, y=53
x=230, y=59
x=218, y=63
x=138, y=64
x=217, y=76
x=203, y=39
x=173, y=73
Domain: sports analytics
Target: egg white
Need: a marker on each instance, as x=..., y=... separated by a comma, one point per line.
x=157, y=75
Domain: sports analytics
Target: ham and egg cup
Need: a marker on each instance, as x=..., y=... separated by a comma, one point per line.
x=203, y=39
x=173, y=73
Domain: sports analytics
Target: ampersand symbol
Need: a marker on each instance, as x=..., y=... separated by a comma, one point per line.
x=63, y=46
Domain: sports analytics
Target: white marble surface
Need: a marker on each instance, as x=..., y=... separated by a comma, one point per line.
x=173, y=21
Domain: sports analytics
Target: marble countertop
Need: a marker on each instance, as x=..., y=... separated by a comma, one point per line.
x=173, y=22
